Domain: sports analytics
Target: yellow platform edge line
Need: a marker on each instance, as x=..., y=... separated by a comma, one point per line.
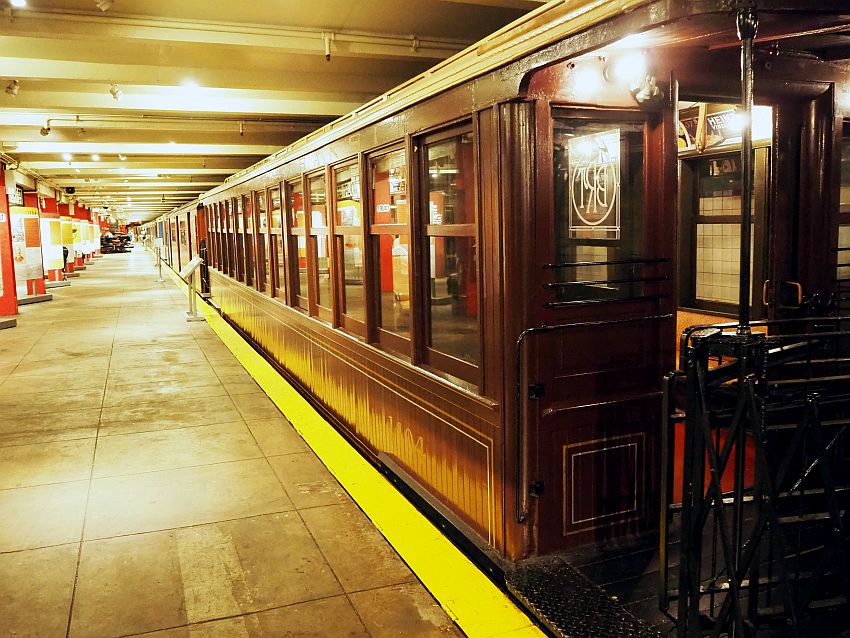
x=477, y=606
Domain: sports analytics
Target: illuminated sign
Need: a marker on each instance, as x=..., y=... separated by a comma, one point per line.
x=594, y=185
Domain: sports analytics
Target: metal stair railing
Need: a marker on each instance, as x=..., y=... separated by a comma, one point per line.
x=773, y=552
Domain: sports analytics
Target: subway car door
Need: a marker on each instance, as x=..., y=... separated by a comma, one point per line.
x=604, y=336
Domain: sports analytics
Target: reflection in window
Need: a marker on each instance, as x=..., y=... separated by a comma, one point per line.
x=395, y=284
x=452, y=256
x=391, y=208
x=349, y=226
x=298, y=242
x=262, y=239
x=598, y=208
x=274, y=215
x=248, y=214
x=319, y=228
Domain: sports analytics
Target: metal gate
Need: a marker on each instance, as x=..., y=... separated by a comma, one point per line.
x=761, y=532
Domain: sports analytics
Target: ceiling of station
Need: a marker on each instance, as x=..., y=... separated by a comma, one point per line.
x=141, y=105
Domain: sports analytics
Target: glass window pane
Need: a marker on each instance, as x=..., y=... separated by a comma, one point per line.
x=393, y=282
x=261, y=210
x=296, y=205
x=353, y=302
x=281, y=266
x=318, y=199
x=598, y=207
x=450, y=178
x=348, y=196
x=454, y=298
x=389, y=194
x=275, y=211
x=324, y=296
x=248, y=215
x=302, y=265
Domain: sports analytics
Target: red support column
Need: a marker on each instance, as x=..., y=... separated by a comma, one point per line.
x=35, y=286
x=67, y=226
x=8, y=294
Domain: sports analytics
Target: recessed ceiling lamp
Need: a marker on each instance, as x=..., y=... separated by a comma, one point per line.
x=96, y=157
x=12, y=88
x=18, y=4
x=103, y=5
x=66, y=157
x=116, y=92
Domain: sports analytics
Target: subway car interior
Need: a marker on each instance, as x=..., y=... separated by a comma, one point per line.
x=580, y=293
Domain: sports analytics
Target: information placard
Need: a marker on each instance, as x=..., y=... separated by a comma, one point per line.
x=26, y=246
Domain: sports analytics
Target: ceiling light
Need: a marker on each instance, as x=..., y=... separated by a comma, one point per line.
x=116, y=92
x=103, y=5
x=66, y=157
x=18, y=4
x=12, y=88
x=122, y=157
x=96, y=157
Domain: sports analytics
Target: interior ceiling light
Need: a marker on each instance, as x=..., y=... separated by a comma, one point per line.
x=122, y=157
x=96, y=157
x=103, y=5
x=18, y=4
x=116, y=92
x=12, y=88
x=66, y=157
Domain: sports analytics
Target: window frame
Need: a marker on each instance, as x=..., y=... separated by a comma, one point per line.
x=342, y=319
x=320, y=310
x=427, y=356
x=294, y=297
x=261, y=244
x=376, y=334
x=278, y=274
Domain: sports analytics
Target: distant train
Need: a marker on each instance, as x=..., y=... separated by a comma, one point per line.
x=478, y=276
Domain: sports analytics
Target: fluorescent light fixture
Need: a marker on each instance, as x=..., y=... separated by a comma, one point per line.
x=67, y=157
x=18, y=4
x=95, y=157
x=12, y=88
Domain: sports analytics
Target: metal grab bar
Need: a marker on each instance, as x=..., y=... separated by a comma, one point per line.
x=613, y=262
x=521, y=474
x=629, y=280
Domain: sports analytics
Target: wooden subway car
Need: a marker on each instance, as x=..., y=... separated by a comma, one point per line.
x=478, y=276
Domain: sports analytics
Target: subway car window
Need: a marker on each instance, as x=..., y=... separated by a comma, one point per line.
x=349, y=232
x=277, y=258
x=298, y=246
x=843, y=253
x=452, y=250
x=599, y=201
x=264, y=272
x=319, y=233
x=248, y=214
x=239, y=226
x=390, y=232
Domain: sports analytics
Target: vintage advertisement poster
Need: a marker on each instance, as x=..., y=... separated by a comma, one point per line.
x=51, y=243
x=594, y=185
x=26, y=246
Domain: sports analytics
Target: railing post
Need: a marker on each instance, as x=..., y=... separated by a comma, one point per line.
x=747, y=28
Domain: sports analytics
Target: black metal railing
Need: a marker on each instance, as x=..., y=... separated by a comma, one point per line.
x=762, y=527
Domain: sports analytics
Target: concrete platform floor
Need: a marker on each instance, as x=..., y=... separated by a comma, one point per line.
x=148, y=487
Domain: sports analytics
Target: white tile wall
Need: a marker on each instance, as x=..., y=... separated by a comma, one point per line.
x=718, y=262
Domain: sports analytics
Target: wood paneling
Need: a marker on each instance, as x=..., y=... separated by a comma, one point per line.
x=442, y=436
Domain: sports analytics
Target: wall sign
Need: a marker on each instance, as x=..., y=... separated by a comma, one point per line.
x=594, y=185
x=26, y=246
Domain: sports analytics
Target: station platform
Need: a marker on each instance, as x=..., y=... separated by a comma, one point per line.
x=150, y=487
